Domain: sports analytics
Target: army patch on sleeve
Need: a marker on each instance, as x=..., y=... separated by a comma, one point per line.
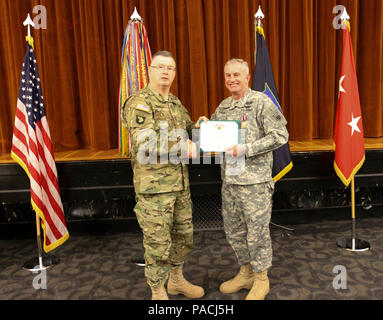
x=140, y=119
x=142, y=107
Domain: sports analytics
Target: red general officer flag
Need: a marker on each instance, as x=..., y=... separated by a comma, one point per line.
x=348, y=136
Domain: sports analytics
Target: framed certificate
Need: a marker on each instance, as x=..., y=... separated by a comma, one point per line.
x=215, y=136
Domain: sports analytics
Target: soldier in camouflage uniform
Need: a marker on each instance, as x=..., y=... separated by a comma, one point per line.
x=247, y=193
x=163, y=203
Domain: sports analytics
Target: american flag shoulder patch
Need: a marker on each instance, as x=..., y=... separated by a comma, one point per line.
x=143, y=108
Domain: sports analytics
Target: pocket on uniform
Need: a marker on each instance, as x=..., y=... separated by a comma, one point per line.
x=154, y=214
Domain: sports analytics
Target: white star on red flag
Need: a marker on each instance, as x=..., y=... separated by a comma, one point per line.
x=349, y=143
x=354, y=124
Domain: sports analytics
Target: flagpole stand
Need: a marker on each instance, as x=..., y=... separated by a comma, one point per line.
x=43, y=261
x=34, y=264
x=352, y=243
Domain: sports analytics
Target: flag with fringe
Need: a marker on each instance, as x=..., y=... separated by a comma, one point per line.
x=348, y=135
x=32, y=150
x=263, y=81
x=135, y=61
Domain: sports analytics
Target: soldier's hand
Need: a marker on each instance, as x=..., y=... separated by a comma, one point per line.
x=203, y=118
x=192, y=149
x=236, y=150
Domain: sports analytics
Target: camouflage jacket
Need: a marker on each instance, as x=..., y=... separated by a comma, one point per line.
x=264, y=131
x=144, y=114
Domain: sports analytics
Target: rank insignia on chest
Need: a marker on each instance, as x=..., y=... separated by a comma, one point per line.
x=140, y=119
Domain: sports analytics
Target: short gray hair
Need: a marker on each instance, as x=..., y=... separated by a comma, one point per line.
x=240, y=61
x=163, y=53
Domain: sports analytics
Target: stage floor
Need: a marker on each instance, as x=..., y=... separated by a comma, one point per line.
x=295, y=146
x=97, y=264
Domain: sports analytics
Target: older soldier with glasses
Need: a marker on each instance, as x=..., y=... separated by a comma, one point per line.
x=247, y=196
x=163, y=203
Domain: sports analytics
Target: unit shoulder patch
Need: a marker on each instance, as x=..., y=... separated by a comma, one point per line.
x=140, y=119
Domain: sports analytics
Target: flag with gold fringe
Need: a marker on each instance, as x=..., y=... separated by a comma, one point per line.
x=32, y=150
x=135, y=62
x=348, y=135
x=263, y=81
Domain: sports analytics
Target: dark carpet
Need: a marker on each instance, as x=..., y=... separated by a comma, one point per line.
x=97, y=263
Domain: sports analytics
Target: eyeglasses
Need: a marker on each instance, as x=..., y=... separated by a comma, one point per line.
x=162, y=68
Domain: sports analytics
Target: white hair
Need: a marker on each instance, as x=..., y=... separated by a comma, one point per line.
x=240, y=61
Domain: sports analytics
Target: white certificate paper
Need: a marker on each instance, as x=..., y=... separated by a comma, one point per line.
x=215, y=136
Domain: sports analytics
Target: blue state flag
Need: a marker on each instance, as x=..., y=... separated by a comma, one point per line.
x=263, y=81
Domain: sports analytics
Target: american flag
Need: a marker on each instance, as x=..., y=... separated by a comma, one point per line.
x=32, y=149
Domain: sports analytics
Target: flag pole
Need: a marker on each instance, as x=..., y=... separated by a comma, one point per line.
x=31, y=264
x=39, y=241
x=49, y=260
x=351, y=244
x=135, y=61
x=258, y=24
x=259, y=16
x=43, y=262
x=263, y=81
x=353, y=213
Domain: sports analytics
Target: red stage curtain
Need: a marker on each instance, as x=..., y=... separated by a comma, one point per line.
x=79, y=60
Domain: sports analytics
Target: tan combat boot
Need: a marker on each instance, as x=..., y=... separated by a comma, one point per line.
x=261, y=287
x=159, y=293
x=177, y=284
x=243, y=279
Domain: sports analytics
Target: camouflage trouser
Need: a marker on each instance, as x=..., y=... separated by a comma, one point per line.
x=166, y=223
x=246, y=212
